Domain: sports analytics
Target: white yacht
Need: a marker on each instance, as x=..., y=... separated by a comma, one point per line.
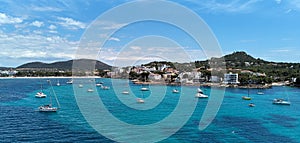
x=90, y=90
x=281, y=102
x=200, y=94
x=140, y=100
x=70, y=81
x=144, y=89
x=175, y=91
x=125, y=92
x=40, y=95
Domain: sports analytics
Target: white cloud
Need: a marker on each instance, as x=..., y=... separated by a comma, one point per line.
x=227, y=6
x=110, y=25
x=36, y=47
x=278, y=1
x=52, y=27
x=53, y=31
x=42, y=9
x=295, y=3
x=135, y=48
x=281, y=50
x=6, y=19
x=133, y=55
x=288, y=11
x=114, y=39
x=37, y=23
x=113, y=26
x=71, y=23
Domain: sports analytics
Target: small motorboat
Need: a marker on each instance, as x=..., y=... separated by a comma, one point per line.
x=281, y=102
x=201, y=95
x=70, y=81
x=125, y=92
x=251, y=105
x=175, y=91
x=90, y=90
x=144, y=89
x=140, y=100
x=105, y=87
x=40, y=95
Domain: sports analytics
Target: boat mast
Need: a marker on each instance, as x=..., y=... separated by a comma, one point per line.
x=54, y=95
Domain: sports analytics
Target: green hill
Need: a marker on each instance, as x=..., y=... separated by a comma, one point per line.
x=66, y=65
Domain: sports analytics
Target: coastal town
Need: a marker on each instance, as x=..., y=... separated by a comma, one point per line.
x=246, y=72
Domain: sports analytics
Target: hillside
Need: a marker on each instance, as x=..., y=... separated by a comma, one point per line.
x=65, y=65
x=242, y=57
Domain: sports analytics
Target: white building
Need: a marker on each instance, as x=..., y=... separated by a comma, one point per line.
x=231, y=78
x=154, y=77
x=215, y=79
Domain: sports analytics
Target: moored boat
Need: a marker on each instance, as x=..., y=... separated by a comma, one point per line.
x=40, y=95
x=200, y=94
x=144, y=89
x=246, y=98
x=175, y=91
x=49, y=107
x=140, y=100
x=281, y=102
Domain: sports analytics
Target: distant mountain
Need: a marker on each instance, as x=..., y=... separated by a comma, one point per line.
x=65, y=65
x=6, y=68
x=242, y=57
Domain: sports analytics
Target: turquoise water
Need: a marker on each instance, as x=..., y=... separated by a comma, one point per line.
x=235, y=121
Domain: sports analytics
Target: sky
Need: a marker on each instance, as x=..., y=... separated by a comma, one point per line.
x=50, y=31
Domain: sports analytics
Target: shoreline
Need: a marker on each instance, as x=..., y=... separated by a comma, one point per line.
x=220, y=85
x=51, y=77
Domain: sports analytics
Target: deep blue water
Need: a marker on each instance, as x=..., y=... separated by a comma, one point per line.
x=235, y=121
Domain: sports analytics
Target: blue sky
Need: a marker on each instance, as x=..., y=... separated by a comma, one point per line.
x=50, y=31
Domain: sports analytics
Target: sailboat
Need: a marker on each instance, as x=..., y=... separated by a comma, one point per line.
x=247, y=97
x=40, y=94
x=144, y=88
x=49, y=107
x=279, y=101
x=260, y=91
x=141, y=100
x=58, y=84
x=70, y=81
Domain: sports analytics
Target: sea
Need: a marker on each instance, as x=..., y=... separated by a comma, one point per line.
x=117, y=117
